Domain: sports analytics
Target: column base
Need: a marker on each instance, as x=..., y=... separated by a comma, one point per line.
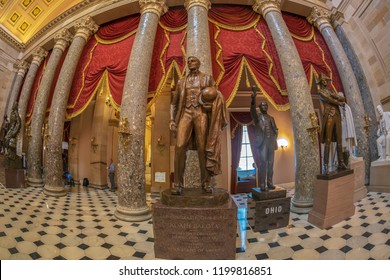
x=301, y=207
x=99, y=187
x=34, y=182
x=132, y=215
x=55, y=191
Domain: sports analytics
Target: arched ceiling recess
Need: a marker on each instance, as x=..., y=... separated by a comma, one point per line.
x=26, y=24
x=23, y=18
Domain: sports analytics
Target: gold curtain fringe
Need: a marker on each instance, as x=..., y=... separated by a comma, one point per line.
x=305, y=39
x=114, y=41
x=219, y=52
x=326, y=64
x=236, y=28
x=82, y=109
x=284, y=107
x=282, y=92
x=169, y=29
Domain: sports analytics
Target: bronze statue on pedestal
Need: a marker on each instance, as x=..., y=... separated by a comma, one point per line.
x=266, y=133
x=12, y=160
x=331, y=122
x=198, y=114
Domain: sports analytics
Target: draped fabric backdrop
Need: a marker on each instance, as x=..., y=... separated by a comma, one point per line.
x=237, y=121
x=241, y=47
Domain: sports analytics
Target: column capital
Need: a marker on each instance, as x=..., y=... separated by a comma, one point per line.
x=157, y=7
x=319, y=17
x=265, y=6
x=62, y=38
x=21, y=66
x=85, y=27
x=336, y=17
x=39, y=55
x=188, y=4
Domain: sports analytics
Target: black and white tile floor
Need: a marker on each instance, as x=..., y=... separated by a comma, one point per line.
x=82, y=225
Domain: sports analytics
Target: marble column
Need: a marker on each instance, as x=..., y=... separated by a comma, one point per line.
x=198, y=38
x=34, y=153
x=54, y=185
x=320, y=18
x=131, y=164
x=301, y=107
x=21, y=67
x=198, y=45
x=38, y=55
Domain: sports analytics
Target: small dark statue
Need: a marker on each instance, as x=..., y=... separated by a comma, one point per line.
x=12, y=160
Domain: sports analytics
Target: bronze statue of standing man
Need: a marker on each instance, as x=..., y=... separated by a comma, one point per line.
x=198, y=114
x=266, y=134
x=331, y=122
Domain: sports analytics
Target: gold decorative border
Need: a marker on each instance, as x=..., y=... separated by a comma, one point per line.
x=48, y=2
x=25, y=6
x=3, y=2
x=23, y=29
x=34, y=16
x=17, y=15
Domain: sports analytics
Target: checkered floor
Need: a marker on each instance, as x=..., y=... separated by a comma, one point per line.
x=82, y=226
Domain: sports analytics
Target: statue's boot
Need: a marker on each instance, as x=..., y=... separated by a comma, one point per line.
x=177, y=190
x=326, y=159
x=326, y=169
x=342, y=165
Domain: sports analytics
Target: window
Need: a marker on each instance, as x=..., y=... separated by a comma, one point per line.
x=246, y=157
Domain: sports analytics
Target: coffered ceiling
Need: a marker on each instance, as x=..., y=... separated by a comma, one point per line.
x=21, y=19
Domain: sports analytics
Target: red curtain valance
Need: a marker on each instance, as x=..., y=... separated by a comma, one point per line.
x=241, y=47
x=103, y=64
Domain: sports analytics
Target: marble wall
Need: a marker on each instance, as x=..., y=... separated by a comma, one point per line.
x=366, y=26
x=8, y=56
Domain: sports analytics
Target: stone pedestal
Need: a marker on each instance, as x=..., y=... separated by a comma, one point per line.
x=14, y=178
x=195, y=232
x=360, y=192
x=379, y=177
x=333, y=201
x=272, y=209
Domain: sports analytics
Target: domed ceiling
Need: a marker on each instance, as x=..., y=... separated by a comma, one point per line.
x=21, y=19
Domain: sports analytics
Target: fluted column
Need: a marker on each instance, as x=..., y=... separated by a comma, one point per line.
x=39, y=55
x=34, y=153
x=320, y=18
x=301, y=106
x=54, y=185
x=21, y=67
x=131, y=166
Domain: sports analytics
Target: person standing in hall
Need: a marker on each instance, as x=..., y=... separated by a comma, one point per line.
x=111, y=175
x=266, y=134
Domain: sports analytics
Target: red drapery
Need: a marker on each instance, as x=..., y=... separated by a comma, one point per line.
x=103, y=63
x=169, y=50
x=241, y=46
